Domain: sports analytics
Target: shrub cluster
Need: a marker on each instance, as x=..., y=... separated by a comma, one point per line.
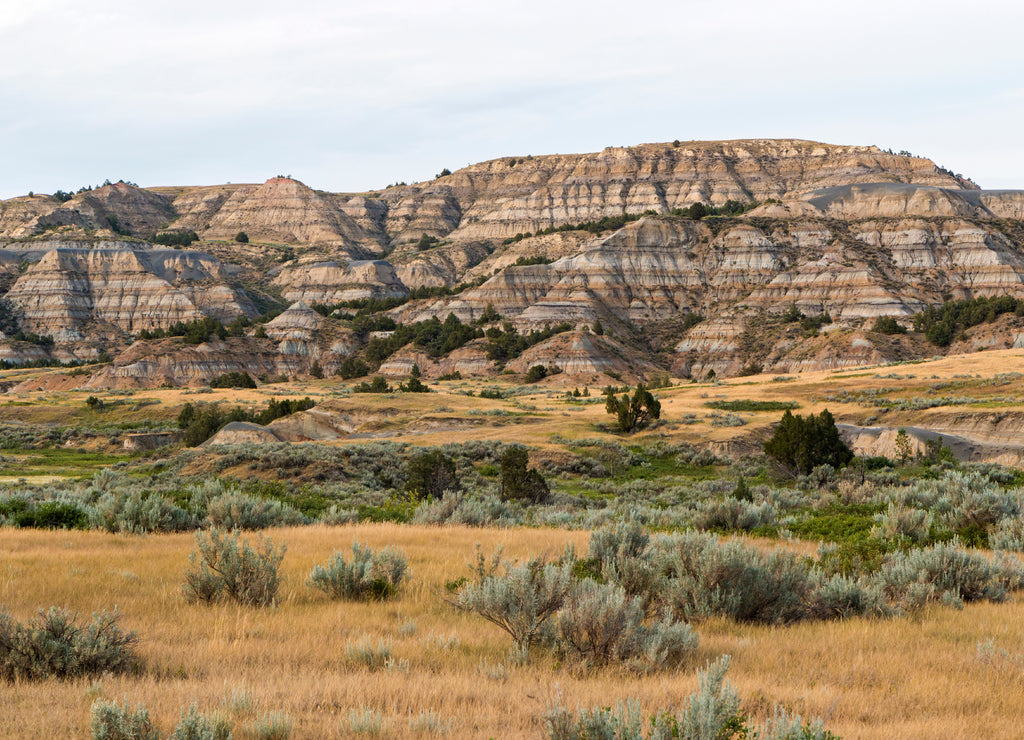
x=711, y=713
x=942, y=324
x=506, y=343
x=237, y=379
x=589, y=622
x=53, y=646
x=225, y=568
x=369, y=575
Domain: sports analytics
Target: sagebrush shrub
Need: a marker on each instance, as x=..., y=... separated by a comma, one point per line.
x=194, y=725
x=53, y=646
x=703, y=577
x=710, y=713
x=943, y=572
x=223, y=567
x=600, y=624
x=112, y=721
x=521, y=600
x=900, y=521
x=241, y=511
x=138, y=513
x=369, y=575
x=732, y=513
x=620, y=553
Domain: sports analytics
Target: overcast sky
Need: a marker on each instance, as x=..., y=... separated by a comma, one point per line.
x=352, y=96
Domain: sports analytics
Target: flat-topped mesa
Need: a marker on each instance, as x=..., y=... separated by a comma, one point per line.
x=503, y=197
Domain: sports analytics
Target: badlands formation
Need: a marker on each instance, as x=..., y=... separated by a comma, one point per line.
x=853, y=232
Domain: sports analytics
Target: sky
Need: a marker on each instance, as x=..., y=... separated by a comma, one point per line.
x=352, y=96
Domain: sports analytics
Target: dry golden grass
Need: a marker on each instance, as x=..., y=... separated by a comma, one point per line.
x=448, y=415
x=906, y=678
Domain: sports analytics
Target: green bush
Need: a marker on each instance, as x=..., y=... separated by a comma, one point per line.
x=746, y=404
x=634, y=412
x=536, y=373
x=234, y=510
x=352, y=368
x=802, y=444
x=224, y=568
x=520, y=483
x=52, y=515
x=53, y=646
x=887, y=325
x=377, y=385
x=369, y=575
x=242, y=238
x=431, y=473
x=233, y=380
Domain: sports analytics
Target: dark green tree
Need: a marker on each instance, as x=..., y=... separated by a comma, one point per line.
x=430, y=474
x=519, y=482
x=801, y=444
x=634, y=412
x=242, y=238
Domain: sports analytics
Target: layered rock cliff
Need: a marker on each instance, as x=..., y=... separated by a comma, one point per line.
x=853, y=231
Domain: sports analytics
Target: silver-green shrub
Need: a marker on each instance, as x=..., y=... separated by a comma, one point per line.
x=600, y=624
x=899, y=521
x=241, y=511
x=112, y=721
x=194, y=725
x=703, y=577
x=521, y=600
x=223, y=567
x=840, y=597
x=369, y=575
x=1008, y=534
x=711, y=713
x=138, y=513
x=729, y=513
x=943, y=572
x=53, y=646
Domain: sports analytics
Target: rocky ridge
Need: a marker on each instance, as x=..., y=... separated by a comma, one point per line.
x=856, y=232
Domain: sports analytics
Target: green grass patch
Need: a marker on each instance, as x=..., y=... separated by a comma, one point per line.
x=839, y=524
x=748, y=404
x=58, y=461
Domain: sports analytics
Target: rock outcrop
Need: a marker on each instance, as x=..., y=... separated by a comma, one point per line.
x=853, y=231
x=127, y=289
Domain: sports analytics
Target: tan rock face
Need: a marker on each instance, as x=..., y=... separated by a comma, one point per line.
x=280, y=210
x=582, y=353
x=131, y=289
x=170, y=361
x=335, y=282
x=113, y=208
x=499, y=198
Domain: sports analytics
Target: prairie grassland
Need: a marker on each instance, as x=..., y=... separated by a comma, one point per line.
x=450, y=415
x=921, y=677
